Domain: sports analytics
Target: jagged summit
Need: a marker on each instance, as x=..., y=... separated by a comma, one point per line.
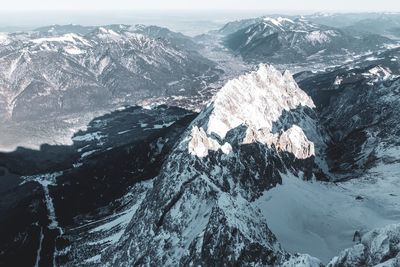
x=256, y=100
x=202, y=202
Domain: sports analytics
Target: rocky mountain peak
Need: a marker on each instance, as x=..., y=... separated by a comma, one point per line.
x=256, y=101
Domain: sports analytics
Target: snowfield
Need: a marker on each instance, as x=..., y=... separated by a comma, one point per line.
x=320, y=219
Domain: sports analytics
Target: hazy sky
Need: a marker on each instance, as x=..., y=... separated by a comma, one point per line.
x=271, y=5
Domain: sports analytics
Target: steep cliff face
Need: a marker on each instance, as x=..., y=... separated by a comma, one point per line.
x=200, y=209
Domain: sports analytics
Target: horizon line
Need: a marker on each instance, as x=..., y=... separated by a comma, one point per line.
x=233, y=10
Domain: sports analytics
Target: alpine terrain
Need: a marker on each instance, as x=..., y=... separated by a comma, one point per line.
x=271, y=141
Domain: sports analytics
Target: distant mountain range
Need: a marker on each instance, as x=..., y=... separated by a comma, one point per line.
x=60, y=70
x=386, y=24
x=284, y=40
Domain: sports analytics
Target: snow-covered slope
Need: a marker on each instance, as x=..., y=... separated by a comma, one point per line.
x=50, y=72
x=358, y=105
x=321, y=218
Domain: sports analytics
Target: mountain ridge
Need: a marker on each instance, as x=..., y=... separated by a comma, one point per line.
x=116, y=64
x=285, y=40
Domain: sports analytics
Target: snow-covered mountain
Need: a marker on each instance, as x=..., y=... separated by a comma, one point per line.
x=202, y=203
x=155, y=32
x=253, y=180
x=70, y=69
x=247, y=159
x=285, y=40
x=199, y=208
